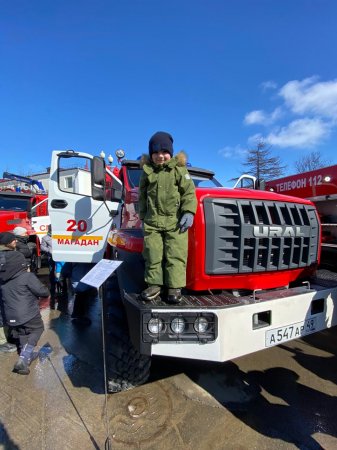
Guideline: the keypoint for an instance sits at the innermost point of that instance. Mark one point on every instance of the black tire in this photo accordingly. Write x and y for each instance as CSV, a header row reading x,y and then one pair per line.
x,y
126,367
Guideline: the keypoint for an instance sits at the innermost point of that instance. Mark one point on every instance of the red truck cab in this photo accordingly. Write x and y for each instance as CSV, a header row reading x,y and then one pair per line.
x,y
319,186
16,211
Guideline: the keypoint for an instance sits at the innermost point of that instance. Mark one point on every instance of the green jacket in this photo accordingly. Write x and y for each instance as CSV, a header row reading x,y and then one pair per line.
x,y
166,192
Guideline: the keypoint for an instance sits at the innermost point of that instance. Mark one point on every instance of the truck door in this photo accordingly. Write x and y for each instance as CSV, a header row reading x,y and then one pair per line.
x,y
81,208
40,222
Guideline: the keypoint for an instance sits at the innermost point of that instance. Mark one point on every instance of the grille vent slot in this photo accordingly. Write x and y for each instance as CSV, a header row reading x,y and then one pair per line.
x,y
250,236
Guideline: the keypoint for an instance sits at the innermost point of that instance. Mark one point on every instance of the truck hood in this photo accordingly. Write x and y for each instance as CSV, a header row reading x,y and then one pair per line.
x,y
249,194
11,219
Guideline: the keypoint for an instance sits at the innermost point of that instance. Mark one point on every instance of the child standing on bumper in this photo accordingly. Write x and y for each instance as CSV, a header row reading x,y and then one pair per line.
x,y
167,204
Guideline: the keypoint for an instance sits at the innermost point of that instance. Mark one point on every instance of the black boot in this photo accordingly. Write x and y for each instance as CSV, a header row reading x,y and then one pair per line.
x,y
52,302
26,357
78,315
173,296
7,347
21,367
150,293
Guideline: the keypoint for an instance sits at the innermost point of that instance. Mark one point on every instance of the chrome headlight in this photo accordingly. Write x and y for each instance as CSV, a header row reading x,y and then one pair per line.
x,y
178,325
155,325
201,325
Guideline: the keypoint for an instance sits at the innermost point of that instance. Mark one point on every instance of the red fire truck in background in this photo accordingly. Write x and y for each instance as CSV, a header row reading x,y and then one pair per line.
x,y
319,186
24,203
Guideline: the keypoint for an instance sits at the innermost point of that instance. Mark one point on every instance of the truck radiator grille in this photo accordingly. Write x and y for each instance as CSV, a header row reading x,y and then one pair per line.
x,y
248,236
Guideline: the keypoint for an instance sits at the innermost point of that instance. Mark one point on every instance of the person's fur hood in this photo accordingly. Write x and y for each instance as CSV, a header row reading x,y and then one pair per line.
x,y
3,248
181,158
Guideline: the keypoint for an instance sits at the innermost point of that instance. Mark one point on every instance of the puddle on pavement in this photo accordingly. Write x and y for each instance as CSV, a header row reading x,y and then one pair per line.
x,y
140,415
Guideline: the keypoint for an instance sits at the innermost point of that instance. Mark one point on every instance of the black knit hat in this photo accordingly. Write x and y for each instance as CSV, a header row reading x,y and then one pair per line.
x,y
161,141
6,238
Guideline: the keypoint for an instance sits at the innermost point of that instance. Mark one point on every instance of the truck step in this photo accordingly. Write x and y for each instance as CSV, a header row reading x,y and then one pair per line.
x,y
188,301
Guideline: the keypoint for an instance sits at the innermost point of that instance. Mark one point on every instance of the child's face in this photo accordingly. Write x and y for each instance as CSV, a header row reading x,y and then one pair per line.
x,y
12,245
160,157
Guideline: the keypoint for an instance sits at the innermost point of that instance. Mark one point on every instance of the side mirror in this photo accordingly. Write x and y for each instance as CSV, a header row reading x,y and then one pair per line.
x,y
246,181
261,185
98,178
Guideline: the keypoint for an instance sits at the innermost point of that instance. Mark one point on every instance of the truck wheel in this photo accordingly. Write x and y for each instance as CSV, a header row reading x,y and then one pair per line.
x,y
126,367
34,261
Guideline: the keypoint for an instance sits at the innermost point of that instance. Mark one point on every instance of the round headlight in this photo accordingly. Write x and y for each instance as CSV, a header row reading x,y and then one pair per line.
x,y
155,325
201,325
178,325
120,153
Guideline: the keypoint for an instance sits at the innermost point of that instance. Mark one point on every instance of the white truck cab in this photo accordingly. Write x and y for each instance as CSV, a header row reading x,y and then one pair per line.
x,y
80,219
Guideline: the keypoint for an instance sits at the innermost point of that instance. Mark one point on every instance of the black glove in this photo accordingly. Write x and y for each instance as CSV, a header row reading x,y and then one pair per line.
x,y
186,222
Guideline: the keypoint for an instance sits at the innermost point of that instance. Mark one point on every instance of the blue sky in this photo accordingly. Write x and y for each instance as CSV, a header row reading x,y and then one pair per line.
x,y
101,75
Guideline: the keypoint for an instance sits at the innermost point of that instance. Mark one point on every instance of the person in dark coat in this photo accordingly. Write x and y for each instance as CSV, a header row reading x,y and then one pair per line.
x,y
20,291
47,243
7,244
21,236
5,346
47,249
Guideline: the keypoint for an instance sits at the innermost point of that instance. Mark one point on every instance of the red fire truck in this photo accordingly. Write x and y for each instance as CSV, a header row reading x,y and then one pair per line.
x,y
251,280
21,205
319,186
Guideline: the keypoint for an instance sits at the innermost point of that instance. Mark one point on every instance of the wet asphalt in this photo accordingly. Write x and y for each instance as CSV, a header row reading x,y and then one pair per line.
x,y
280,398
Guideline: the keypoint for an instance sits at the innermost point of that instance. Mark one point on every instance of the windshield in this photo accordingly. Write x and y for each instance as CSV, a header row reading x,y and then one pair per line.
x,y
204,182
199,181
134,177
14,203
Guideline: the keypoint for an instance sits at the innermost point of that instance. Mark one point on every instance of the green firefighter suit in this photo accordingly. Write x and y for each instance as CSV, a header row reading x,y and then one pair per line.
x,y
166,192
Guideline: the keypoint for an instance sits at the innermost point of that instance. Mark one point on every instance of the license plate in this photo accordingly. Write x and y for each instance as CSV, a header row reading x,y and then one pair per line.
x,y
294,331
